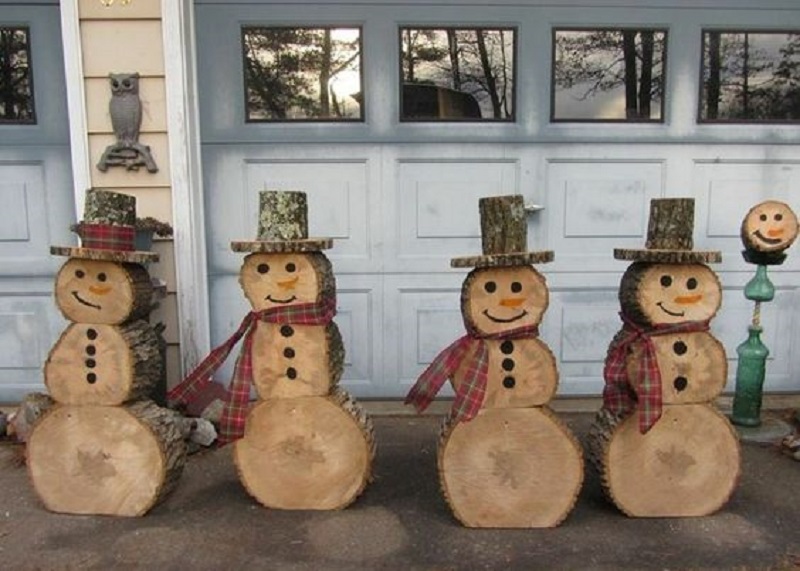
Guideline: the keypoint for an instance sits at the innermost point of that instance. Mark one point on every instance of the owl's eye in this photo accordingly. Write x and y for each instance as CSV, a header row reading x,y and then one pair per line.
x,y
262,268
114,83
79,274
666,281
126,83
490,287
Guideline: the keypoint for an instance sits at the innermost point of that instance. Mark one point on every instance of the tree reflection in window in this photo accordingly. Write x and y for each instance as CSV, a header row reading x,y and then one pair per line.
x,y
300,73
608,74
16,76
457,74
750,76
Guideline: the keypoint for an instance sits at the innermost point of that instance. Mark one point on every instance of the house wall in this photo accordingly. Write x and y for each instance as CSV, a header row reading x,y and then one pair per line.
x,y
122,38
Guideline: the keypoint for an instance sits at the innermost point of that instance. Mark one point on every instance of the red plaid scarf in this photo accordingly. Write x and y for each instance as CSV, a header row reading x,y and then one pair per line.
x,y
238,396
621,394
107,237
472,389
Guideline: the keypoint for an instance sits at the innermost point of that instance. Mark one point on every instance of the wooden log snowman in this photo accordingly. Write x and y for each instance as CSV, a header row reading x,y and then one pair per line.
x,y
306,444
105,448
660,446
505,460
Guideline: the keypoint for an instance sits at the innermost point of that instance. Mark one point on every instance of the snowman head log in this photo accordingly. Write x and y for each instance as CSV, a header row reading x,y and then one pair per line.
x,y
108,230
769,227
652,294
286,279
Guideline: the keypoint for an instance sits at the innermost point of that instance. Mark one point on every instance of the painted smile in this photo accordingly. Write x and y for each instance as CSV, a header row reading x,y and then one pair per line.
x,y
509,320
763,238
273,300
83,301
668,312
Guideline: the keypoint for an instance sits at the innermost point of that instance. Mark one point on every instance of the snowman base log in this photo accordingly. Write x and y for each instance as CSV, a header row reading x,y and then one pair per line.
x,y
510,468
687,464
306,452
106,460
104,364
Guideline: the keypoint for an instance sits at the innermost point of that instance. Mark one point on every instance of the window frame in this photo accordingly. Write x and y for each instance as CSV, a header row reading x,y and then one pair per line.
x,y
662,120
29,52
306,120
459,120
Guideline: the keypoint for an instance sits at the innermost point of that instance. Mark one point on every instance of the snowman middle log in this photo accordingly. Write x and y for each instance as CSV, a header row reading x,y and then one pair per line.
x,y
104,364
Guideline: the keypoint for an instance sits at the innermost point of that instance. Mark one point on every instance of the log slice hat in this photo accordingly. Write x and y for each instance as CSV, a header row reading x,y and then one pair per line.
x,y
669,236
108,230
282,225
504,236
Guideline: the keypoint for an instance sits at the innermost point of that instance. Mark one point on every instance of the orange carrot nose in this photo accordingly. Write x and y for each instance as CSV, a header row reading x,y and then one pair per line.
x,y
775,232
288,284
99,290
512,301
688,299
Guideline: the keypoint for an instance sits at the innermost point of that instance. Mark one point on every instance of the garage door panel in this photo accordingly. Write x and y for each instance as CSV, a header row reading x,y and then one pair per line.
x,y
437,208
25,234
726,190
594,206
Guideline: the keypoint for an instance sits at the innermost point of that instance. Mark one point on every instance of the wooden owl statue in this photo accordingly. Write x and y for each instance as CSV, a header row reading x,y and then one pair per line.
x,y
125,106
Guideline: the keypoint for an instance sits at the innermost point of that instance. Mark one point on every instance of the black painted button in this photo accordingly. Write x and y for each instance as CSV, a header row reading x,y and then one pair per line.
x,y
291,372
508,364
507,347
288,353
91,350
287,330
91,363
91,334
91,378
679,347
680,383
509,382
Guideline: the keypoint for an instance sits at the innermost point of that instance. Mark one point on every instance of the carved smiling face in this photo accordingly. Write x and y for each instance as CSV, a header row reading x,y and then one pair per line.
x,y
494,300
285,279
95,291
769,227
669,293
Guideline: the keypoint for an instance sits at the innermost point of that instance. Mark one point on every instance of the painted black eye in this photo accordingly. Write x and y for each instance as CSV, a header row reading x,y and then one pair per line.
x,y
490,287
79,274
666,281
763,217
516,287
691,283
779,217
290,267
102,277
262,268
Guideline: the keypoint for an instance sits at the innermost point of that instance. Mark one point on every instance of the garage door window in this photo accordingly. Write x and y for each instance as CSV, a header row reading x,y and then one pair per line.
x,y
302,73
608,75
750,76
457,74
16,76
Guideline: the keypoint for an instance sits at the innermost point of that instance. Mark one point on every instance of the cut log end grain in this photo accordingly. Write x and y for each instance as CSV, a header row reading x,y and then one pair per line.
x,y
306,452
510,468
104,364
687,464
105,460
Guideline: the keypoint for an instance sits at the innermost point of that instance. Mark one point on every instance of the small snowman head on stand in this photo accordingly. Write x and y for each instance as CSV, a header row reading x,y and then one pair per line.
x,y
104,281
504,297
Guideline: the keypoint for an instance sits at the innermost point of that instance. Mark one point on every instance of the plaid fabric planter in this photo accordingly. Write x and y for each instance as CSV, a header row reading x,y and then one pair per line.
x,y
108,237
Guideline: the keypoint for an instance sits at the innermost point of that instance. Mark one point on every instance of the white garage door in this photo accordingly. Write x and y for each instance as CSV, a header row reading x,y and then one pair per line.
x,y
400,197
35,190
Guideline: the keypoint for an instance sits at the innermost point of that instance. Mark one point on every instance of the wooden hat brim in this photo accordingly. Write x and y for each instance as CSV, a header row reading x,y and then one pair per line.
x,y
121,256
283,246
668,256
500,260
